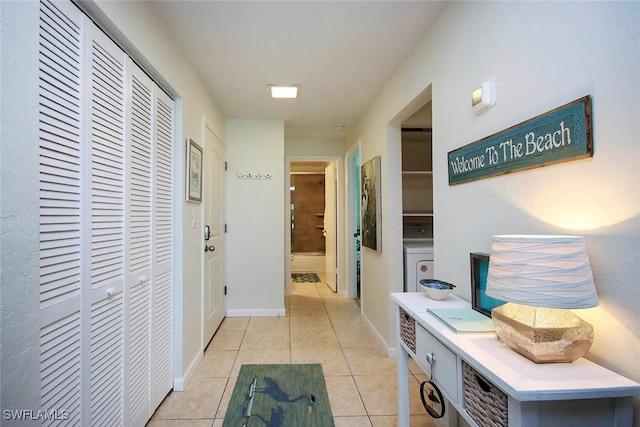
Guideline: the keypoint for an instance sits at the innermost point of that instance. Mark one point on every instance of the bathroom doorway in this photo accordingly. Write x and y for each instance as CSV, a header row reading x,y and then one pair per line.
x,y
307,213
313,220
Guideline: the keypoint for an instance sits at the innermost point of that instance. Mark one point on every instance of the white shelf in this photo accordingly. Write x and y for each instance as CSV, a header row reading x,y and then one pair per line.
x,y
417,182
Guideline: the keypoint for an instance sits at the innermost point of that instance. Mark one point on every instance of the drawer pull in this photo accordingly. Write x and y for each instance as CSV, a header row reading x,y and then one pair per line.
x,y
430,358
483,384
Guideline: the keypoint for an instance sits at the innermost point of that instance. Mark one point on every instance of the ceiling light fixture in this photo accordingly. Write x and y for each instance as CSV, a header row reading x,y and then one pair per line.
x,y
284,91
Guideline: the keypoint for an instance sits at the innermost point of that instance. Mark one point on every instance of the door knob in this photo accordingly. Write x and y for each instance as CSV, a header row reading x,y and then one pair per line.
x,y
209,248
430,357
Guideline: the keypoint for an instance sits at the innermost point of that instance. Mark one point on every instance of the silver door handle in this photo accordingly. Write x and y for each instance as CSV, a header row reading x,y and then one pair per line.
x,y
209,248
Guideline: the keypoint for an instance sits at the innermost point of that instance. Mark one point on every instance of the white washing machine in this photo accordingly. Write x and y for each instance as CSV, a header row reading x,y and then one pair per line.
x,y
418,263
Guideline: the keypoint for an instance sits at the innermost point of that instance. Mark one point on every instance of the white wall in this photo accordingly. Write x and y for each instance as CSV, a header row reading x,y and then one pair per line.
x,y
313,147
542,55
256,217
19,208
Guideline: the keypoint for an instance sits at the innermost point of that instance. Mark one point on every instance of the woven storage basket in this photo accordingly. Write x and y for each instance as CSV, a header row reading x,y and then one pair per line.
x,y
485,403
408,330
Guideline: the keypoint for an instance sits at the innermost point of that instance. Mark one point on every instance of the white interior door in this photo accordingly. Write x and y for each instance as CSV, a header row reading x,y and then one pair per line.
x,y
61,243
330,218
138,245
213,299
163,249
105,226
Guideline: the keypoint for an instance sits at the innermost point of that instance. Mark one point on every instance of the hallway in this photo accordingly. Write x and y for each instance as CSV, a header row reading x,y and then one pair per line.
x,y
320,327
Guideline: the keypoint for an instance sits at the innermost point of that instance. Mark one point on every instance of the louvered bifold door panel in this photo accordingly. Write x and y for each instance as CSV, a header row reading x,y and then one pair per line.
x,y
60,211
107,256
162,247
138,288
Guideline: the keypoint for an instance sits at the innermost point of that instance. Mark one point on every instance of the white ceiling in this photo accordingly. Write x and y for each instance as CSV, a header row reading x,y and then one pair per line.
x,y
341,52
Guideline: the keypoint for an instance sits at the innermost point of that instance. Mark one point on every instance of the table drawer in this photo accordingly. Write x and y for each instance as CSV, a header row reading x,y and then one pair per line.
x,y
443,370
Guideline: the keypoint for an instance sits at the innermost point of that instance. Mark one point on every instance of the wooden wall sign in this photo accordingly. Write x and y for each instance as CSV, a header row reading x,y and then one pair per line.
x,y
560,135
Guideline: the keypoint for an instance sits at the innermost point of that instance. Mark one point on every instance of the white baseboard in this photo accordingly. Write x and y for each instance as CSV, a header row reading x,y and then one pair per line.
x,y
392,352
178,384
181,382
256,312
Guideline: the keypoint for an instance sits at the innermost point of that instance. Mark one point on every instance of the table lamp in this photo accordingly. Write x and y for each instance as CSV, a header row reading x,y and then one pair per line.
x,y
540,278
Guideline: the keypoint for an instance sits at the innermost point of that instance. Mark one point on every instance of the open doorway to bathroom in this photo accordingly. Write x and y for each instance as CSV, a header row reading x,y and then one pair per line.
x,y
312,217
307,213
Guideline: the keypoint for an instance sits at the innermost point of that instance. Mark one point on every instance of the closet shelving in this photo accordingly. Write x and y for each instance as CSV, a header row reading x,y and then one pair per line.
x,y
417,183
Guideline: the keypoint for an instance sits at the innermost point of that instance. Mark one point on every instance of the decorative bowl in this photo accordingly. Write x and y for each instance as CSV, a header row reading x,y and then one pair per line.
x,y
436,289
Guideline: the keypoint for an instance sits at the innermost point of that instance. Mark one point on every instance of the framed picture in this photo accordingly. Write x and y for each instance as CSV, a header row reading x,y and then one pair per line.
x,y
194,171
370,205
480,301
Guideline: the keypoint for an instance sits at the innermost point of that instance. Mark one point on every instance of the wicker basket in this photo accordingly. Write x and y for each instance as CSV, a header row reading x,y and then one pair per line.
x,y
485,403
408,330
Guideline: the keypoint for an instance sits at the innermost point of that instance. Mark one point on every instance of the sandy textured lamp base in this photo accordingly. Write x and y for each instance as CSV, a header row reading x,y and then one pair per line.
x,y
543,335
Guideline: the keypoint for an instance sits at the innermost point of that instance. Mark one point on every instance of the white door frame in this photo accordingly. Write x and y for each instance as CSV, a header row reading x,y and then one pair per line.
x,y
351,220
339,161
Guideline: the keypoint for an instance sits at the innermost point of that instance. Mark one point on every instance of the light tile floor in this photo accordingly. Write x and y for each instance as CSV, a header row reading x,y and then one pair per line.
x,y
320,327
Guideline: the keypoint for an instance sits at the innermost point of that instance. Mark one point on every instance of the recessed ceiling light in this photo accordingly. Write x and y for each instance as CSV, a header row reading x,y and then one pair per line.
x,y
284,91
339,128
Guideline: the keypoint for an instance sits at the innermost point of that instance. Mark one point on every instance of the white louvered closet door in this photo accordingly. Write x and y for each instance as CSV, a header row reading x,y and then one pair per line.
x,y
105,260
106,201
60,124
162,266
138,287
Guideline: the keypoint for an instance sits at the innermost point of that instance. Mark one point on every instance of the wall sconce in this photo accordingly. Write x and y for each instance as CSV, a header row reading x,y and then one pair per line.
x,y
541,277
484,97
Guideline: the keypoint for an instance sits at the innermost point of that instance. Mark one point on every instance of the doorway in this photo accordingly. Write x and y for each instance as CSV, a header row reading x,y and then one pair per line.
x,y
307,211
313,242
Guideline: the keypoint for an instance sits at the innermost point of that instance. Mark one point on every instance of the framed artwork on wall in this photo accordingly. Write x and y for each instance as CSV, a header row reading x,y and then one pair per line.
x,y
371,205
194,171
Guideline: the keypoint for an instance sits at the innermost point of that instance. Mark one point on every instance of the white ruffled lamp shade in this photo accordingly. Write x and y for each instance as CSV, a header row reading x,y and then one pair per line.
x,y
541,277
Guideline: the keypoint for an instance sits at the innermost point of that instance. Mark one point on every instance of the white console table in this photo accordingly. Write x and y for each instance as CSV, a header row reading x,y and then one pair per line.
x,y
578,394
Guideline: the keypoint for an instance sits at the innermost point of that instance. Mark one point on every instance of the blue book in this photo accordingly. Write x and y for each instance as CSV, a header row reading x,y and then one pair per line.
x,y
463,320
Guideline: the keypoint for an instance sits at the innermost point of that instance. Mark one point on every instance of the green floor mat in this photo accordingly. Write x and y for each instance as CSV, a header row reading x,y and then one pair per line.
x,y
279,396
